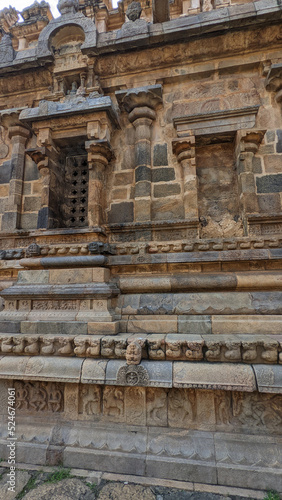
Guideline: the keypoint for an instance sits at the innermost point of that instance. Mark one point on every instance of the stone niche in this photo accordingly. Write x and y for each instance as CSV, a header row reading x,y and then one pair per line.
x,y
218,191
216,150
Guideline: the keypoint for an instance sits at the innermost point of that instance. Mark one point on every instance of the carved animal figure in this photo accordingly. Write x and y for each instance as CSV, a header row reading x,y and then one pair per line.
x,y
32,345
19,343
66,344
48,345
6,344
94,347
174,349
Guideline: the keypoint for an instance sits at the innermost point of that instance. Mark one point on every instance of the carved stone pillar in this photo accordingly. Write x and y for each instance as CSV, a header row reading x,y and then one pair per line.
x,y
140,103
249,142
184,149
11,218
99,155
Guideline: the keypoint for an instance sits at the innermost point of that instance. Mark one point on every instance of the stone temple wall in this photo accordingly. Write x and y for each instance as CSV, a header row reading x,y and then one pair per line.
x,y
141,238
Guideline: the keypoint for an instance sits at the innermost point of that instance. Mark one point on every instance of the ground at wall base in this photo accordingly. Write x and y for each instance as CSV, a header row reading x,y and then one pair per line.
x,y
69,484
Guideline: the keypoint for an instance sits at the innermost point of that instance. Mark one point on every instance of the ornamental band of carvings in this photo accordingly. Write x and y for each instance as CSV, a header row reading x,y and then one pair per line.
x,y
176,408
232,349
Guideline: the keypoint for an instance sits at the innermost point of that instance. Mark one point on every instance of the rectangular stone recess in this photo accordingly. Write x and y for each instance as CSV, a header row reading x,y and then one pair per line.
x,y
269,378
228,377
41,368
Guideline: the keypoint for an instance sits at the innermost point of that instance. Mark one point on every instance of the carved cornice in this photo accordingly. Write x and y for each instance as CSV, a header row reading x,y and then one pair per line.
x,y
216,122
210,348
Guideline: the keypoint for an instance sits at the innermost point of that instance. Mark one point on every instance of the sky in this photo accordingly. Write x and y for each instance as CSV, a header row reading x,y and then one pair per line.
x,y
21,4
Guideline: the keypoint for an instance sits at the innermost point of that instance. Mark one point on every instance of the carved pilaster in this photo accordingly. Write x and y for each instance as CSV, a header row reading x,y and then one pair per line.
x,y
46,156
184,149
140,104
99,155
18,135
273,81
249,142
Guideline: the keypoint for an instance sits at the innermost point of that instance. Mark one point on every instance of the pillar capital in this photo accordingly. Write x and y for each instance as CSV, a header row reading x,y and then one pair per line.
x,y
40,157
99,151
140,97
184,148
250,140
19,131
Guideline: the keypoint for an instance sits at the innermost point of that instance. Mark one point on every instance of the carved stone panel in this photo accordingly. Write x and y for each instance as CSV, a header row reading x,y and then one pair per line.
x,y
113,403
135,405
156,407
181,407
90,399
40,396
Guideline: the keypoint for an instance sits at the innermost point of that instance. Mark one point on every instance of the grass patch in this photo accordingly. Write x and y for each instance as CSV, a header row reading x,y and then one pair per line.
x,y
92,486
58,475
272,495
28,487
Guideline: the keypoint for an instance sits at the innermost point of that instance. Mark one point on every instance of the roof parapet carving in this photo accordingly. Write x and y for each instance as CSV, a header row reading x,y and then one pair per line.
x,y
68,6
8,17
36,11
69,17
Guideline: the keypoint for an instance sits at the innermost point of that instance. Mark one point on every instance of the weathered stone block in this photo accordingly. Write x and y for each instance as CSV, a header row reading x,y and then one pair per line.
x,y
143,153
217,376
269,183
164,190
103,327
163,174
269,203
120,213
260,325
279,141
157,324
113,461
123,178
143,188
160,155
64,276
194,324
273,164
33,276
269,378
94,371
5,172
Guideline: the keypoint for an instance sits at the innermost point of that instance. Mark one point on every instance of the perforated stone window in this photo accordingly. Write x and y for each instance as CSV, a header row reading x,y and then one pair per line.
x,y
76,191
